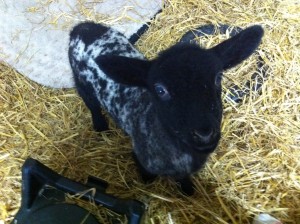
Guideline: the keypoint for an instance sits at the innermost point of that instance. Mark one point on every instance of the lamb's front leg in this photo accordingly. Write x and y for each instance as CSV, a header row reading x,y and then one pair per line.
x,y
146,176
186,185
86,91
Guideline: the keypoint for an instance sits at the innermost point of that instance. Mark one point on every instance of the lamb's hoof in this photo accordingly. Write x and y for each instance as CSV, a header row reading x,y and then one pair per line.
x,y
186,186
147,177
100,124
100,128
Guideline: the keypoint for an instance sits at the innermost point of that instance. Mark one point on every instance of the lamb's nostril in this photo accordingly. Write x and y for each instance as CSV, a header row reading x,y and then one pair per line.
x,y
203,134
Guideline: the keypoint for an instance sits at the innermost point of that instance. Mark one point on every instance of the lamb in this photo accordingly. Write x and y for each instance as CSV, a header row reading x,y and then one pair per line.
x,y
170,106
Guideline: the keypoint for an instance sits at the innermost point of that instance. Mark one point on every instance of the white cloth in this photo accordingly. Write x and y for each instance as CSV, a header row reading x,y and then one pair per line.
x,y
34,34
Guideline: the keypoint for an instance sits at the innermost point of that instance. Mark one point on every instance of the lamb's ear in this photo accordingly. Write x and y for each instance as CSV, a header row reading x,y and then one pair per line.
x,y
124,70
239,47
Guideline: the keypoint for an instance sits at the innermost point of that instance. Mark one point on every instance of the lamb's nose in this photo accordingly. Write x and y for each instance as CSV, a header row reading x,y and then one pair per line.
x,y
203,135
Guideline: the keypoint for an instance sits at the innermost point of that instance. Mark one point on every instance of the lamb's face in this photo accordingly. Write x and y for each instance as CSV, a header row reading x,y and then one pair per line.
x,y
186,86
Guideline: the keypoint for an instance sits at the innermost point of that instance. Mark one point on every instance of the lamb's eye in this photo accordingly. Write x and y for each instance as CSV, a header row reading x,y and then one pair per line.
x,y
162,91
218,79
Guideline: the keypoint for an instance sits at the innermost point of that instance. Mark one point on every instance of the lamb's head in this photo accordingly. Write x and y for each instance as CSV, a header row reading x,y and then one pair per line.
x,y
185,85
185,82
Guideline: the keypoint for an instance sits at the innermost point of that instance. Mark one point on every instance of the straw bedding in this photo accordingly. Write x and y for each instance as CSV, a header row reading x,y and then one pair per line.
x,y
256,166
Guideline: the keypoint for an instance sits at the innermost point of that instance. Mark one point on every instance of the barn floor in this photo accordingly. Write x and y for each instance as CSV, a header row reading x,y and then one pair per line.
x,y
256,168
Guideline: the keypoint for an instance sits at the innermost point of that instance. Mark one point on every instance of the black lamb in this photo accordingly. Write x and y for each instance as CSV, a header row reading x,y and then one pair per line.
x,y
171,106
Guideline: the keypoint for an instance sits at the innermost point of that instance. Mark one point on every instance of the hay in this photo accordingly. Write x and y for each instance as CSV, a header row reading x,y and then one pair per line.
x,y
256,167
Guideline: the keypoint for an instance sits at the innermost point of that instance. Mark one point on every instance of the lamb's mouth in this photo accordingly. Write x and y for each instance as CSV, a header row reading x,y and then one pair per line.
x,y
207,148
203,148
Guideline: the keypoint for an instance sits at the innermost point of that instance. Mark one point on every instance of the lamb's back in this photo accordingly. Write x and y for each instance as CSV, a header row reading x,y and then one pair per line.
x,y
90,41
